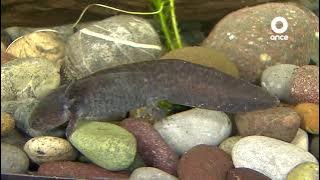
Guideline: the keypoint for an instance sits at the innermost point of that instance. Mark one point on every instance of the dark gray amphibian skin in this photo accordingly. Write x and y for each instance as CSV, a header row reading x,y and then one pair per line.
x,y
109,93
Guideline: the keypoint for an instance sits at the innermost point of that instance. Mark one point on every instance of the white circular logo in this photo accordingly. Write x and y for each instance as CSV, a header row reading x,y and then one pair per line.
x,y
274,25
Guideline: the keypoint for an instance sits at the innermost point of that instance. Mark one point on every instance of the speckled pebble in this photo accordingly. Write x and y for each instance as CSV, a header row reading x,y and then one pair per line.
x,y
150,173
309,114
278,122
13,159
78,170
46,149
277,79
228,144
301,140
186,129
7,123
304,171
305,84
28,78
271,157
153,149
204,162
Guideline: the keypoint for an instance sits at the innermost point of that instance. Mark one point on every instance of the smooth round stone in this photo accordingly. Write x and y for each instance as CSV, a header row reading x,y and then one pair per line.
x,y
148,173
314,149
13,159
309,114
28,78
271,157
184,130
204,56
277,80
204,162
43,44
154,151
301,140
22,115
6,57
7,123
105,144
305,84
78,170
228,144
245,174
304,171
46,148
245,36
114,41
15,138
278,122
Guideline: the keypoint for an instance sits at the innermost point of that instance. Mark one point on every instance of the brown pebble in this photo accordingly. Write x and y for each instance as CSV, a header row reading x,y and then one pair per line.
x,y
245,174
78,170
204,162
305,84
153,149
278,122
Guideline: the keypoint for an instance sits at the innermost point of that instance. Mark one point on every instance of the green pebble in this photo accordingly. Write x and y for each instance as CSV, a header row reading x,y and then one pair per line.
x,y
105,144
304,171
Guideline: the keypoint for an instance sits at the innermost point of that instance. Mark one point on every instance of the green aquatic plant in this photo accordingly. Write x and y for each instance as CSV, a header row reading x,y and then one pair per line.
x,y
164,11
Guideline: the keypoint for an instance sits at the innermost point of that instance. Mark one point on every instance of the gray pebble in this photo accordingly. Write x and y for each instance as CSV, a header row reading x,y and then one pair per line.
x,y
13,159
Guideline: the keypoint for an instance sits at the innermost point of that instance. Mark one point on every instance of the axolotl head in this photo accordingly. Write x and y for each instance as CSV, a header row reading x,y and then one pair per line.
x,y
51,112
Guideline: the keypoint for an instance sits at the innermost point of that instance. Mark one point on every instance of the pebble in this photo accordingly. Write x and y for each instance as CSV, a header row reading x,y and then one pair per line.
x,y
43,44
184,130
245,36
271,157
7,124
114,41
278,122
105,144
309,114
305,84
15,138
78,170
204,56
46,149
13,159
245,174
301,140
28,78
304,171
22,115
277,80
204,162
148,173
6,57
314,149
154,151
228,144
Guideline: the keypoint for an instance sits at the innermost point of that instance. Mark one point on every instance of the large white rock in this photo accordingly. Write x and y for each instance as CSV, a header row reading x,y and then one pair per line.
x,y
150,173
184,130
271,157
301,140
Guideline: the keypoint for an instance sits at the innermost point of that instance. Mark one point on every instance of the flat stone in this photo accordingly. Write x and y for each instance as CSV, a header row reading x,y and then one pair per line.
x,y
13,159
271,157
147,173
184,130
105,144
279,122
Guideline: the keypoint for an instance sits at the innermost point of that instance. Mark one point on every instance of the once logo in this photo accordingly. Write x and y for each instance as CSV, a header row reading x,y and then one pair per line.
x,y
279,31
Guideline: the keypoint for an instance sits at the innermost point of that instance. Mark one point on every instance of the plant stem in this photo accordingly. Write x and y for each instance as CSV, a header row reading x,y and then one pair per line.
x,y
175,25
